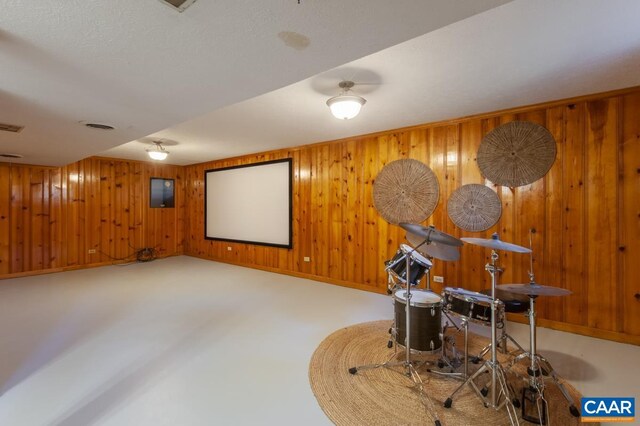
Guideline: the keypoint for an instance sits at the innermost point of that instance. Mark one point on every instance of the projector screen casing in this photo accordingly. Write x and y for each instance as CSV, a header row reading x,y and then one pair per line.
x,y
250,203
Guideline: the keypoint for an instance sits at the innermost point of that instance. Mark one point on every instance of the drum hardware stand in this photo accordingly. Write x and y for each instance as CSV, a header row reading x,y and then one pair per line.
x,y
504,336
409,369
444,361
497,374
391,284
538,367
502,345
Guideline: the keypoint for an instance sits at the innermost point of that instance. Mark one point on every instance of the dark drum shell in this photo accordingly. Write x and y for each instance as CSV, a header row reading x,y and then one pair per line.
x,y
397,265
426,320
470,305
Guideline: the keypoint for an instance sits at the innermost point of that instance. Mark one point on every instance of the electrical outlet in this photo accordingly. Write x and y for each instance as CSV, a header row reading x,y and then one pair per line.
x,y
91,251
307,259
438,279
228,248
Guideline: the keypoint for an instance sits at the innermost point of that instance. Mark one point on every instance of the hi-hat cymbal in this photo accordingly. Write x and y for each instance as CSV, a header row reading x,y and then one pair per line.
x,y
431,233
436,250
533,289
495,244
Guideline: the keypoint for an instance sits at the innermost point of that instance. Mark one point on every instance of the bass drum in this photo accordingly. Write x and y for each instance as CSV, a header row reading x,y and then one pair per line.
x,y
426,321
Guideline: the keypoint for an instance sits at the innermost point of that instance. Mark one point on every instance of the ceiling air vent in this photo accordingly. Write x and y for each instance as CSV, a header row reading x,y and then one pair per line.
x,y
3,155
10,128
179,5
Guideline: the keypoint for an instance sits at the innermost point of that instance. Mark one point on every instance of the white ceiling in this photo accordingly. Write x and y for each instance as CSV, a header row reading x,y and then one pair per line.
x,y
142,67
521,53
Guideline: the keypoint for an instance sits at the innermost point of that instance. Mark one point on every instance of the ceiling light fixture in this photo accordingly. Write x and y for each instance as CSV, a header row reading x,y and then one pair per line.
x,y
345,106
158,152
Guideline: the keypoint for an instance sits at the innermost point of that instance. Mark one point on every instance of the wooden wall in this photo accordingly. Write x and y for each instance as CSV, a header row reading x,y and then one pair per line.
x,y
51,217
585,211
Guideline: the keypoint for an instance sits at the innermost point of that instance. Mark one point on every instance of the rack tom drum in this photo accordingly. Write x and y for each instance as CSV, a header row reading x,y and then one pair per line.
x,y
418,265
470,305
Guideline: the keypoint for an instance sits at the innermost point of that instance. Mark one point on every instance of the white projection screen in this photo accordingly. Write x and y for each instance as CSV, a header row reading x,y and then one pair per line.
x,y
250,203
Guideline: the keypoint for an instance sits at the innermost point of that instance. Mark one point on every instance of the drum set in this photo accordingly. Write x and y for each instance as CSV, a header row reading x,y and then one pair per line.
x,y
422,318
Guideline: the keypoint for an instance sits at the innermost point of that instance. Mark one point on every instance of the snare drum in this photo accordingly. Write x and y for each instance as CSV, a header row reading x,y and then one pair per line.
x,y
473,306
418,265
425,314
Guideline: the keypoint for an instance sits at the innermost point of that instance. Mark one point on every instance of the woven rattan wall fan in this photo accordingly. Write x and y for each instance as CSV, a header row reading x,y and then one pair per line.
x,y
405,191
474,207
516,153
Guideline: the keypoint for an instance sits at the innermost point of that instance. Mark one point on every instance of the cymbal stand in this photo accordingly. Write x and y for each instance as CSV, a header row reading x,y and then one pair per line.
x,y
538,367
498,378
409,368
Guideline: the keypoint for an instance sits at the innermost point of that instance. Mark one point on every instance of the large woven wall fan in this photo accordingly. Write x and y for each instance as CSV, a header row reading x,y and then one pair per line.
x,y
516,153
405,191
474,207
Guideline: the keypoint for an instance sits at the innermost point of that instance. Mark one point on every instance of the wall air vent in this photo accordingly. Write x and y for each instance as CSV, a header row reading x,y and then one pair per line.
x,y
179,5
10,128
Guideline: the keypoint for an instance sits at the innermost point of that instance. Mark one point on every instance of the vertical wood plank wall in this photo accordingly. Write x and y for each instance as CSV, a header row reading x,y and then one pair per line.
x,y
50,217
585,212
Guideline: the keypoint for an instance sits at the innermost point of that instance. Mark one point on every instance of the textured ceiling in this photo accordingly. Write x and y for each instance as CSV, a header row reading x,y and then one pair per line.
x,y
142,67
521,53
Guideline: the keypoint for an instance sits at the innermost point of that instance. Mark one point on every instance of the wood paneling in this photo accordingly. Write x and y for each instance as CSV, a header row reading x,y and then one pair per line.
x,y
51,217
585,211
629,215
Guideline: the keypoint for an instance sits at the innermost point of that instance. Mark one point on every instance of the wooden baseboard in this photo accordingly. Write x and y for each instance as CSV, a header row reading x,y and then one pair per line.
x,y
69,268
579,329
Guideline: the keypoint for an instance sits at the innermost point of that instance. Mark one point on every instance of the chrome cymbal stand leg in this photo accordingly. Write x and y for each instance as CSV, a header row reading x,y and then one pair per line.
x,y
409,369
539,366
504,337
494,356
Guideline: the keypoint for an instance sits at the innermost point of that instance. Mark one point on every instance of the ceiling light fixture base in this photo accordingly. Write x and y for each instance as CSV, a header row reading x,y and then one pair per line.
x,y
158,152
346,106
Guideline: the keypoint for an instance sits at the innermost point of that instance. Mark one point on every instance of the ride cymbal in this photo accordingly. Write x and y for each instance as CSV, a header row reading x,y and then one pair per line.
x,y
533,289
433,249
431,233
495,244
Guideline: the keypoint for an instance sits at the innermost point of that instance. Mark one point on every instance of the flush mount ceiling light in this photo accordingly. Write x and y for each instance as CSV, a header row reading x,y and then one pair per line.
x,y
345,106
158,152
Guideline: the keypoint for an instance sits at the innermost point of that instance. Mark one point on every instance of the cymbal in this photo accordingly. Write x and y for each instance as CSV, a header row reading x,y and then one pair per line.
x,y
495,244
431,233
433,249
533,289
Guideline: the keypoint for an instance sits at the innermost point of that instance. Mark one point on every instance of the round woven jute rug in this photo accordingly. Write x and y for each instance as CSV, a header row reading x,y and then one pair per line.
x,y
384,396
